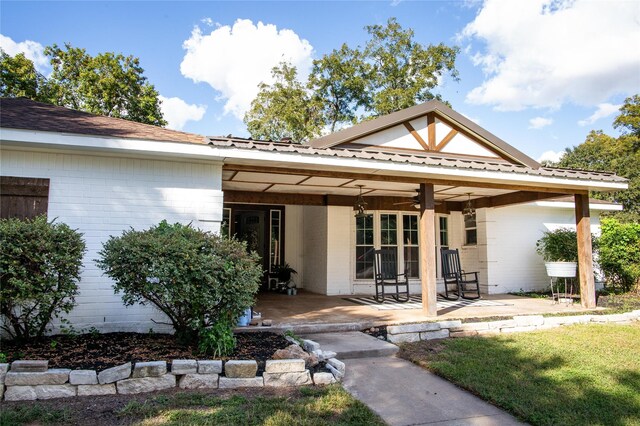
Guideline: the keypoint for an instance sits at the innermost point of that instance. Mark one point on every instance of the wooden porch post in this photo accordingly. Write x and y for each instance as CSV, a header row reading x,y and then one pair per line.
x,y
585,257
427,249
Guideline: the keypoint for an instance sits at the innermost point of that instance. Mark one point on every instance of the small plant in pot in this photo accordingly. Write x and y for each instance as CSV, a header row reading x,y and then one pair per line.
x,y
559,249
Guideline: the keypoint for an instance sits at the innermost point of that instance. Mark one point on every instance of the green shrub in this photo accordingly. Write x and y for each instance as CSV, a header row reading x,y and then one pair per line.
x,y
619,253
39,269
196,278
560,245
217,340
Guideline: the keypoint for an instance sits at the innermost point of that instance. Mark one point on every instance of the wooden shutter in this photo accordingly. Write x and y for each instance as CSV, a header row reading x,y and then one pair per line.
x,y
23,197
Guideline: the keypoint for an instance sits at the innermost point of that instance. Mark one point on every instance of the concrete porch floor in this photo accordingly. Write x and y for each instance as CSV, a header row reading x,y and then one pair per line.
x,y
310,311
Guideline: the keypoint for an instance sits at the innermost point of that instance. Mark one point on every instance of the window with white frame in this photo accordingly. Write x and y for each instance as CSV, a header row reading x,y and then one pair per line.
x,y
395,231
470,230
364,247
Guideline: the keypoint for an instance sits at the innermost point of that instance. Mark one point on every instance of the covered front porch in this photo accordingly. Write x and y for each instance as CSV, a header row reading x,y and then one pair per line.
x,y
307,310
420,179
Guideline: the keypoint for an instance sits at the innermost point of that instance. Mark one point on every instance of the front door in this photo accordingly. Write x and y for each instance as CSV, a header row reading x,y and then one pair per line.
x,y
262,228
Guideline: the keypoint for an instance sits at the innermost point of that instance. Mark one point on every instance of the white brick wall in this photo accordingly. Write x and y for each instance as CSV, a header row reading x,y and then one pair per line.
x,y
102,196
513,232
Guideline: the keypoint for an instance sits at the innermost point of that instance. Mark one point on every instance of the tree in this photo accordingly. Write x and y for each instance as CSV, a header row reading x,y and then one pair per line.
x,y
284,109
404,72
107,84
621,155
19,78
339,83
390,73
629,119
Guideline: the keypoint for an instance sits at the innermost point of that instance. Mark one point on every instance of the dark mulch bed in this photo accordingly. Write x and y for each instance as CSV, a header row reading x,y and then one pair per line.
x,y
100,351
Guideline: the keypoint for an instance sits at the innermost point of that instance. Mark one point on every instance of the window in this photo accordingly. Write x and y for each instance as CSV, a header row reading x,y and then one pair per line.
x,y
276,238
470,230
394,231
442,241
410,240
23,198
364,247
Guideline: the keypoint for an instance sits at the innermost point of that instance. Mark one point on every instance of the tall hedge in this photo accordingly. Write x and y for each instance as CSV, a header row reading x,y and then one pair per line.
x,y
196,278
40,265
619,254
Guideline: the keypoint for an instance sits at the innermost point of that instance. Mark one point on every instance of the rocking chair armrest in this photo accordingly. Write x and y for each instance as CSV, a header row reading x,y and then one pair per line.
x,y
463,273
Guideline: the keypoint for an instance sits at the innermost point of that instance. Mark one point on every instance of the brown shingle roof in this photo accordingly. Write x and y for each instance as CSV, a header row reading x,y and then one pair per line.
x,y
21,113
418,159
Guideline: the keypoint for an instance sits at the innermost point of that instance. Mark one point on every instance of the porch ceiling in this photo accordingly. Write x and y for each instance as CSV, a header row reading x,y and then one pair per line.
x,y
235,180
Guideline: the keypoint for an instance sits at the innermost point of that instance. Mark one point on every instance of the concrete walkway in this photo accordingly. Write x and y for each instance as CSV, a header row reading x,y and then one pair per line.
x,y
402,393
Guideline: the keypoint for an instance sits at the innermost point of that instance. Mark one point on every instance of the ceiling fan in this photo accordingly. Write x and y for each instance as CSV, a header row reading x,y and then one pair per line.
x,y
415,201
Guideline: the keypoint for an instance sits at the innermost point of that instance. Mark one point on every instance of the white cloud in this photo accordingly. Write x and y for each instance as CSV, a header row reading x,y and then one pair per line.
x,y
543,53
234,60
177,112
32,50
604,110
540,122
551,156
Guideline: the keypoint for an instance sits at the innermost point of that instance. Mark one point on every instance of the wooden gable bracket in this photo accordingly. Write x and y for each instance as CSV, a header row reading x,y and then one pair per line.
x,y
417,136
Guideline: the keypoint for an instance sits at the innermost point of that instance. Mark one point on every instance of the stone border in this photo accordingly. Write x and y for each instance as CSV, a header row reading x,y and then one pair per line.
x,y
455,328
30,380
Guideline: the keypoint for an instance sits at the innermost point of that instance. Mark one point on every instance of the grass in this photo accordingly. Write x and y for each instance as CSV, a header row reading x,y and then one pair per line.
x,y
329,405
577,375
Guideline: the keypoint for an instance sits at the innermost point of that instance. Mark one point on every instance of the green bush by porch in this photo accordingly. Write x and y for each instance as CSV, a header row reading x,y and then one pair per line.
x,y
577,375
198,279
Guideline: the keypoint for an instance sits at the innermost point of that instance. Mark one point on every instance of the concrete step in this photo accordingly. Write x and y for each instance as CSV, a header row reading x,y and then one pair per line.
x,y
353,344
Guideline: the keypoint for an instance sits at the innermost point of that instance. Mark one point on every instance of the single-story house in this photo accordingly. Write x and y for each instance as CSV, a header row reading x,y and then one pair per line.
x,y
417,169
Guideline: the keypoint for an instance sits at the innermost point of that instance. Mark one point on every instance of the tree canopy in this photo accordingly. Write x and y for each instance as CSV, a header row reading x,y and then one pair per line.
x,y
391,72
107,84
621,155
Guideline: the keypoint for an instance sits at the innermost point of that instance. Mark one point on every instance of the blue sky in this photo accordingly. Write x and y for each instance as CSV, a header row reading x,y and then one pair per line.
x,y
540,74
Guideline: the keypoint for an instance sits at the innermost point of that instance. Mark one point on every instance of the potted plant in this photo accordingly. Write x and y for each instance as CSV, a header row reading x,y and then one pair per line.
x,y
284,273
559,249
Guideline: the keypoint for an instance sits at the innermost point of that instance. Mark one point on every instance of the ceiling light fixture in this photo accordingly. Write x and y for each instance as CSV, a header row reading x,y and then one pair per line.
x,y
361,204
468,210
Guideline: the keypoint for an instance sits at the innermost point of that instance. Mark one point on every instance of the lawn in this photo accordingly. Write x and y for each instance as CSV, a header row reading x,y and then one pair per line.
x,y
578,375
300,406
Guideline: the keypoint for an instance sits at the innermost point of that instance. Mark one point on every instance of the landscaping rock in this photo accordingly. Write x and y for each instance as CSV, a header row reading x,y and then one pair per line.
x,y
291,340
325,355
198,381
1,392
518,329
267,323
497,325
430,335
50,377
474,326
284,365
403,338
336,374
149,369
184,366
210,367
296,352
113,374
146,384
240,369
310,345
55,391
337,364
450,323
83,377
20,393
88,390
287,379
4,368
229,383
528,320
413,328
323,378
30,366
469,333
